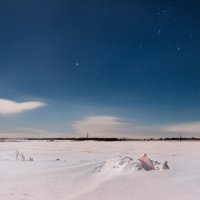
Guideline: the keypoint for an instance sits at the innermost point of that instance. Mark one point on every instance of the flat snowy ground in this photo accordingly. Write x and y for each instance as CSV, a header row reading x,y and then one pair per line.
x,y
66,170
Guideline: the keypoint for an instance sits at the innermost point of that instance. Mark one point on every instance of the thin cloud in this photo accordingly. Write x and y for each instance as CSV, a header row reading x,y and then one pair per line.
x,y
190,127
8,107
30,130
100,126
111,126
31,133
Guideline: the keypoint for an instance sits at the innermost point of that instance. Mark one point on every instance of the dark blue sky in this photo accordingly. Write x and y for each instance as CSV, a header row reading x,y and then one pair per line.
x,y
132,60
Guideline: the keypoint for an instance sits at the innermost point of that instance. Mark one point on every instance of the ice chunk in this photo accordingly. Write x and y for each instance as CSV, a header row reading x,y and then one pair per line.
x,y
146,163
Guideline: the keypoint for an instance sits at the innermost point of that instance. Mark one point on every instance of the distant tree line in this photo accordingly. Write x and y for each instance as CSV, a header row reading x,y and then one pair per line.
x,y
106,139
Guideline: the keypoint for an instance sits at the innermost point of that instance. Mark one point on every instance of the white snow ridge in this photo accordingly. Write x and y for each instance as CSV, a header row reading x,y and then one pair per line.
x,y
127,164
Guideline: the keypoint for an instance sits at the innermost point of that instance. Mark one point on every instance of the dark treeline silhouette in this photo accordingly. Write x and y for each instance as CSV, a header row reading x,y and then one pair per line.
x,y
103,139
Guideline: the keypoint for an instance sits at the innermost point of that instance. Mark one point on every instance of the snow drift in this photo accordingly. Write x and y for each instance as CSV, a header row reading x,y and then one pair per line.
x,y
128,164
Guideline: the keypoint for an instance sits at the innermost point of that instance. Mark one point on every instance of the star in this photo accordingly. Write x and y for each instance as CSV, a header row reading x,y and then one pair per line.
x,y
159,31
77,64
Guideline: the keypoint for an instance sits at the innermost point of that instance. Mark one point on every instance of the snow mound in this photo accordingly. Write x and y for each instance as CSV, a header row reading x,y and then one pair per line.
x,y
127,164
119,164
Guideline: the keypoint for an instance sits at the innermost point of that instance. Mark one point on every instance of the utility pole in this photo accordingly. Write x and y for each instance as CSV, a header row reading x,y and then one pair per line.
x,y
87,135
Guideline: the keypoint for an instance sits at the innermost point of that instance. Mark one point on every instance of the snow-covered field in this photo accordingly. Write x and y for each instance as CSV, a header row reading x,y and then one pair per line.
x,y
66,170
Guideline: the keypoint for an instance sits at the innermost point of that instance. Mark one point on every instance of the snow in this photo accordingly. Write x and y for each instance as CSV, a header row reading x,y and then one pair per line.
x,y
66,170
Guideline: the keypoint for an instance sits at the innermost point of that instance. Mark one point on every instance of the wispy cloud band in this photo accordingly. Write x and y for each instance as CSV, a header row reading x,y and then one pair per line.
x,y
112,126
100,126
189,127
8,107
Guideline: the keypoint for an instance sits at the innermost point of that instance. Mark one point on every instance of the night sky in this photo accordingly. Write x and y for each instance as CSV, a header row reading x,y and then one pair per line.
x,y
111,68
